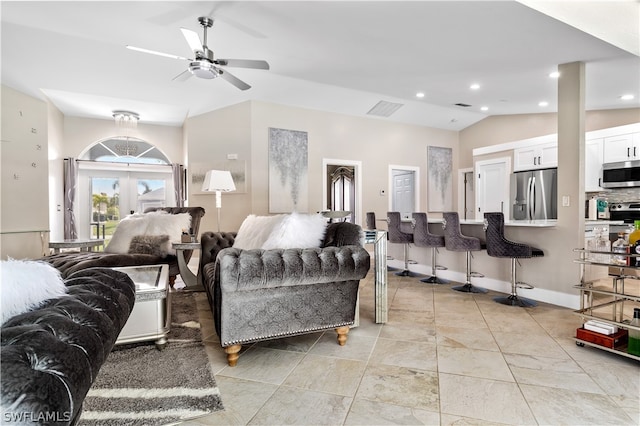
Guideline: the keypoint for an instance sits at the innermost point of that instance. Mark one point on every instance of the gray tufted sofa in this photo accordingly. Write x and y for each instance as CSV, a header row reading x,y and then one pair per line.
x,y
51,355
267,294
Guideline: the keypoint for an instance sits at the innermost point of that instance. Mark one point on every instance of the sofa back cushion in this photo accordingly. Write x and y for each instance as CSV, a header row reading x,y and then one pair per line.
x,y
153,223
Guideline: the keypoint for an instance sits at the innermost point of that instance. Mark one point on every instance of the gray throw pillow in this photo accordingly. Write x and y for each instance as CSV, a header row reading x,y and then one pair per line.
x,y
156,245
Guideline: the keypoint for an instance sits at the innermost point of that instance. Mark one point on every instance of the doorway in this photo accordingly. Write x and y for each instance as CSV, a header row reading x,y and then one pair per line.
x,y
342,187
466,194
404,183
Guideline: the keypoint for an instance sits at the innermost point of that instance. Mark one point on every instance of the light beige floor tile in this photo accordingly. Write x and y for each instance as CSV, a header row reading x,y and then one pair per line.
x,y
484,399
400,386
311,374
456,337
424,332
550,372
529,344
620,380
450,420
473,363
241,399
365,412
561,406
405,354
409,315
264,365
290,406
357,347
513,322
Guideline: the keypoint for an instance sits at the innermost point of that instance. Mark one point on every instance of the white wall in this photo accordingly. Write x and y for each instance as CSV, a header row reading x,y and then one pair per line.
x,y
56,173
243,129
24,217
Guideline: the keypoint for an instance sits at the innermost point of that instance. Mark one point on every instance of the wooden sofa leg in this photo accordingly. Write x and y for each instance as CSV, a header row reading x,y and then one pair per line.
x,y
342,335
233,353
172,280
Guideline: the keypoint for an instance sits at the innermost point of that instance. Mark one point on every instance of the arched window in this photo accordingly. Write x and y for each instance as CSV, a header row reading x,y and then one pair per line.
x,y
118,176
125,149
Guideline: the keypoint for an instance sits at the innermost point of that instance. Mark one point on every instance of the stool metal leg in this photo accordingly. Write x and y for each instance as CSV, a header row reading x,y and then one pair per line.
x,y
513,299
406,272
433,279
468,287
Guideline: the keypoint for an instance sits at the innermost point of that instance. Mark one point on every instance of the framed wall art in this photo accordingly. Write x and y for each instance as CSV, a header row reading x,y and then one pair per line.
x,y
288,171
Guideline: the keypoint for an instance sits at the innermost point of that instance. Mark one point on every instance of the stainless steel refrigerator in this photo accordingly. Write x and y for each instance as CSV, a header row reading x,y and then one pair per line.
x,y
534,195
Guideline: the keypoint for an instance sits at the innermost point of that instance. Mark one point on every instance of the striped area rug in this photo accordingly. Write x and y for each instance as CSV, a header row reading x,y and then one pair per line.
x,y
140,385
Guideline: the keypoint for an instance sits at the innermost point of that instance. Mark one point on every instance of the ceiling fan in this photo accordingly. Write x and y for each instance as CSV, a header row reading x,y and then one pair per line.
x,y
205,65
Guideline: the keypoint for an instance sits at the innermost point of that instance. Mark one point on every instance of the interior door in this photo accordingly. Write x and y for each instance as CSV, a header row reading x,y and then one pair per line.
x,y
403,192
469,196
492,186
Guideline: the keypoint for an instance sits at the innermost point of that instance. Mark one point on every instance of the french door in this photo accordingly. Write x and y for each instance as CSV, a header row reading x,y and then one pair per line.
x,y
109,192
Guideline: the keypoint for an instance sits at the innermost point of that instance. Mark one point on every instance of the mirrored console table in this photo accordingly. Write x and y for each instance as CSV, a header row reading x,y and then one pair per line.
x,y
379,240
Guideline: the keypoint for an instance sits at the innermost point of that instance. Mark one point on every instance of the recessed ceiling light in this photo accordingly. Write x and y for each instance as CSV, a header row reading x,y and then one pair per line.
x,y
484,108
543,103
627,97
474,86
554,74
419,95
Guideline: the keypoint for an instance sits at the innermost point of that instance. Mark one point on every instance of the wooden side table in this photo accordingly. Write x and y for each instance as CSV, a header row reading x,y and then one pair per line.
x,y
192,281
82,244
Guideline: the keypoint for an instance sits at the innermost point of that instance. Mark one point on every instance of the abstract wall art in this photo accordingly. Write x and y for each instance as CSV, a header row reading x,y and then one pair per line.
x,y
288,171
439,180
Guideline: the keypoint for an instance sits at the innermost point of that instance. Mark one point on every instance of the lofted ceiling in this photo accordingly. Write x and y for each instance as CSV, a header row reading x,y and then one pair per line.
x,y
335,56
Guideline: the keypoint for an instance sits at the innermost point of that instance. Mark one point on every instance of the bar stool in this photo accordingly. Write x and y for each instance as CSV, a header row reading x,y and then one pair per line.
x,y
499,246
455,241
401,233
371,226
423,238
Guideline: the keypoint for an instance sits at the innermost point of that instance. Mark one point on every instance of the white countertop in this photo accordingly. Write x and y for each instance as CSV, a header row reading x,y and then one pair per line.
x,y
520,223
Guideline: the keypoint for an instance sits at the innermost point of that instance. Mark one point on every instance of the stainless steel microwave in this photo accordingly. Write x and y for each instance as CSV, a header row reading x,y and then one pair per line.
x,y
624,174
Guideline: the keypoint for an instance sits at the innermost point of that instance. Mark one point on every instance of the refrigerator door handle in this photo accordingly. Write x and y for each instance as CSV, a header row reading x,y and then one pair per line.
x,y
533,197
529,182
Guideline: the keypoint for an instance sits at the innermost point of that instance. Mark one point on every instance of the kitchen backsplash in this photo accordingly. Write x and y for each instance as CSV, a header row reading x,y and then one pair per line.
x,y
617,195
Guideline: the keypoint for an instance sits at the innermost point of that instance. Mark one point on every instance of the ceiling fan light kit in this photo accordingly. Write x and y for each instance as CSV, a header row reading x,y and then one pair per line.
x,y
205,65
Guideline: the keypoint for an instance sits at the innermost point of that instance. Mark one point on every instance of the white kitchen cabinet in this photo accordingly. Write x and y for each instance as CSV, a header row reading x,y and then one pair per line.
x,y
622,148
593,159
534,157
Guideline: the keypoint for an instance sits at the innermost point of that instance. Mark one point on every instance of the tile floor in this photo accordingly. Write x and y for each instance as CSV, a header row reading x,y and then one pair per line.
x,y
443,358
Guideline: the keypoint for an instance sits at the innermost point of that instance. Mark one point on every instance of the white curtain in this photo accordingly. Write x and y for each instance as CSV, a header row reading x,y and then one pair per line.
x,y
70,184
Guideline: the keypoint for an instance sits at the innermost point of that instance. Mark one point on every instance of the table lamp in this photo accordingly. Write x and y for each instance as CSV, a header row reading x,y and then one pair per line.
x,y
218,181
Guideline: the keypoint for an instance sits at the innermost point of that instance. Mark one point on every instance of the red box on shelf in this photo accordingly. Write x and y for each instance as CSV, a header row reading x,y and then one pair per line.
x,y
610,341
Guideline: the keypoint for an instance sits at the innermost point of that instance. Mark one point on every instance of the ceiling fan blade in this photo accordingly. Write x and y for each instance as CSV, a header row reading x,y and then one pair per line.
x,y
243,63
233,80
183,76
193,39
154,52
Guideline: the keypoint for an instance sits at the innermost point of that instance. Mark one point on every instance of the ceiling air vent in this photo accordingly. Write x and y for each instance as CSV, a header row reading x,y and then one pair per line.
x,y
462,105
384,109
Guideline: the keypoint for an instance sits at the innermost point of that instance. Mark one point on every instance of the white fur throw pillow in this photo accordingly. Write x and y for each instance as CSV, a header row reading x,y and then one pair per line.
x,y
297,231
255,230
163,223
128,227
26,284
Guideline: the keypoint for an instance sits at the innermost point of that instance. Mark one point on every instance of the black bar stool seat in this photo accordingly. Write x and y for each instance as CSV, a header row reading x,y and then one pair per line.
x,y
401,233
423,238
499,246
455,241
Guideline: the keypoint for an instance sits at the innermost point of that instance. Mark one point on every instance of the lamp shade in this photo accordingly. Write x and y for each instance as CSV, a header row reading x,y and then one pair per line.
x,y
218,180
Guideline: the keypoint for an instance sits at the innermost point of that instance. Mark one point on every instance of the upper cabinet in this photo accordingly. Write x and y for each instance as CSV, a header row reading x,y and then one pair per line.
x,y
622,148
593,159
539,156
